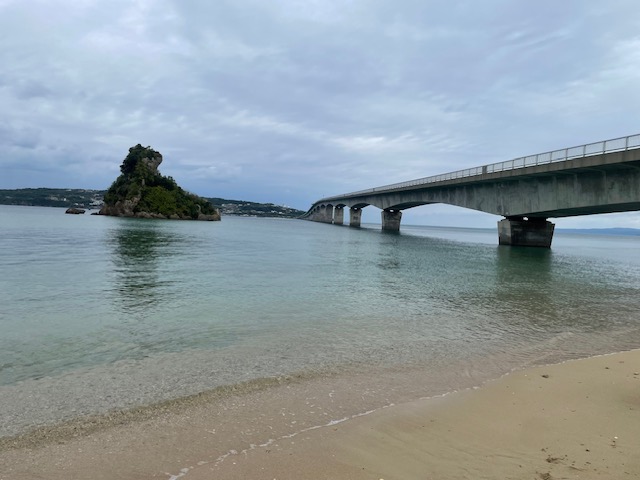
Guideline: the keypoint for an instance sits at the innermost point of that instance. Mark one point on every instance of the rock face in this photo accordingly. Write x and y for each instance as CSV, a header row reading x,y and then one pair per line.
x,y
74,211
140,191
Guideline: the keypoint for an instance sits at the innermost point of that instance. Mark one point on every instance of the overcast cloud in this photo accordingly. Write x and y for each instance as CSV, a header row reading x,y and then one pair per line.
x,y
287,101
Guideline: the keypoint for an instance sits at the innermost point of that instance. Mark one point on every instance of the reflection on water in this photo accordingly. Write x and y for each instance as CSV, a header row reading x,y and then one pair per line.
x,y
524,285
138,248
554,293
514,263
145,289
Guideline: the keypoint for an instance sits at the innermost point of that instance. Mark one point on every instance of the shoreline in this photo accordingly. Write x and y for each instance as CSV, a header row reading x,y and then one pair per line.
x,y
576,417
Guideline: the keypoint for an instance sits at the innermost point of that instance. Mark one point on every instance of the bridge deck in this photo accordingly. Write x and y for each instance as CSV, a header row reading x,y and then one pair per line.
x,y
590,155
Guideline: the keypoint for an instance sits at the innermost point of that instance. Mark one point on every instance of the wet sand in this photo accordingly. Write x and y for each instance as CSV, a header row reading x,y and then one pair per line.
x,y
579,419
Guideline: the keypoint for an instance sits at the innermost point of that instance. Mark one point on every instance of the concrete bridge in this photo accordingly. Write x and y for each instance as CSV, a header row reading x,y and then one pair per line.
x,y
600,177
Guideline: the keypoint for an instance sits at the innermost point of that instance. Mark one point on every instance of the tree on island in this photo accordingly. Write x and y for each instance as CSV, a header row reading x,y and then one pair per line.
x,y
140,191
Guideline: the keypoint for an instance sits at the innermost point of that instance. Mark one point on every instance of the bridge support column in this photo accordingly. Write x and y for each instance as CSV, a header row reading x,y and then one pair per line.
x,y
338,216
355,215
326,214
391,220
534,232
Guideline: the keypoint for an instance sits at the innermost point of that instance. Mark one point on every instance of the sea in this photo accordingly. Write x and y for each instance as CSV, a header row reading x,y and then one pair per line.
x,y
100,313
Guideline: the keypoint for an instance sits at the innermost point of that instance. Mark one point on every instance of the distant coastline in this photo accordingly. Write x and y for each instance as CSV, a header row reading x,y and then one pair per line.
x,y
633,232
93,199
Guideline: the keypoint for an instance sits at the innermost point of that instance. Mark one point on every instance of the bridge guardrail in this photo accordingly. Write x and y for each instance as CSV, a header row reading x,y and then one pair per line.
x,y
630,142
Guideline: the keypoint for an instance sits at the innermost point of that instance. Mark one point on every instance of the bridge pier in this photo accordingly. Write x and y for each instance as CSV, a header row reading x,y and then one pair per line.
x,y
314,214
533,232
355,216
327,214
338,216
391,220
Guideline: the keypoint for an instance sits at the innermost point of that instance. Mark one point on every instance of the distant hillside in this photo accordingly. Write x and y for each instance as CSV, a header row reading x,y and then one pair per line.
x,y
53,197
241,207
93,199
634,232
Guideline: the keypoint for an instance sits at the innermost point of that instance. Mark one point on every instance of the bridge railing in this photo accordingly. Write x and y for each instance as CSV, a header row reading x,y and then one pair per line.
x,y
606,146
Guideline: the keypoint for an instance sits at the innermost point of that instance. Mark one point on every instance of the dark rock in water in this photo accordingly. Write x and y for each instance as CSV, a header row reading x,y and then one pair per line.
x,y
141,192
75,211
209,218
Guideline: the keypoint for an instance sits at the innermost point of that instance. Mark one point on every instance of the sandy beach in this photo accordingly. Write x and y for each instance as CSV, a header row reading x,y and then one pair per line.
x,y
579,419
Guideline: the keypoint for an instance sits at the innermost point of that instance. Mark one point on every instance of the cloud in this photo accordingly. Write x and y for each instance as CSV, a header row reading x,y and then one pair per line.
x,y
379,144
290,100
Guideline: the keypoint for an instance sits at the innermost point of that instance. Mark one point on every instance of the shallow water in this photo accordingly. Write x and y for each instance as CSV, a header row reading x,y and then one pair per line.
x,y
99,313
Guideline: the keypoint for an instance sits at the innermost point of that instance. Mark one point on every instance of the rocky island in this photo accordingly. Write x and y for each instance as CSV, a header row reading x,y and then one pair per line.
x,y
140,191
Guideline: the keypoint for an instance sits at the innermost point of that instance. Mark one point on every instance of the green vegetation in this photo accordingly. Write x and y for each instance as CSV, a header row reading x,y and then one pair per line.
x,y
147,191
136,154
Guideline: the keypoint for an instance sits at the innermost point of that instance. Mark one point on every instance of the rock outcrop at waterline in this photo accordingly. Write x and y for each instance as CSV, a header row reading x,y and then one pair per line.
x,y
75,211
140,191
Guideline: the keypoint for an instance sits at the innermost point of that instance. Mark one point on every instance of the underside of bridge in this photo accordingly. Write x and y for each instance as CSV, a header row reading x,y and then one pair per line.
x,y
516,231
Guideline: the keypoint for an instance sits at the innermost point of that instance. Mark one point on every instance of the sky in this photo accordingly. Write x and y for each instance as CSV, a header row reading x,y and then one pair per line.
x,y
289,101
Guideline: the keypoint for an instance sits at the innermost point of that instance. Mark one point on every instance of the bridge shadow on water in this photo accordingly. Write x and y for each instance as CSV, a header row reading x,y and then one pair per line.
x,y
525,288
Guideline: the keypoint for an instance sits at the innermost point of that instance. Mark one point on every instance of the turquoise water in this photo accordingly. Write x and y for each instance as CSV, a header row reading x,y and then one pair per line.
x,y
99,313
